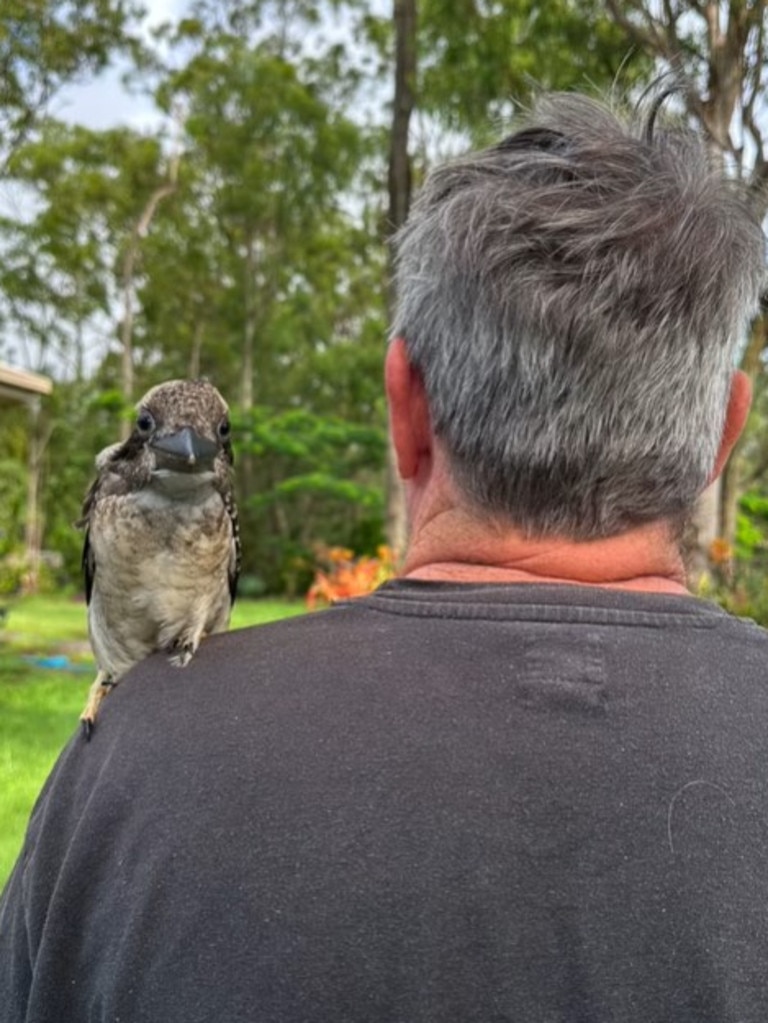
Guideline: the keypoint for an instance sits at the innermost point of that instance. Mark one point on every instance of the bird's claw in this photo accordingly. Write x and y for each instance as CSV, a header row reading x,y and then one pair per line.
x,y
183,655
102,685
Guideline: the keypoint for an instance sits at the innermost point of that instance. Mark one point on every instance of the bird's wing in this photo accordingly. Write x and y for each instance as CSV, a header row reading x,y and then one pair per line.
x,y
105,480
88,558
235,554
89,567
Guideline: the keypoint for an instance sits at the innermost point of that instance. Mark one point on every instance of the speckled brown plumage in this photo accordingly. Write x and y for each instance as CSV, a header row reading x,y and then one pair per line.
x,y
162,547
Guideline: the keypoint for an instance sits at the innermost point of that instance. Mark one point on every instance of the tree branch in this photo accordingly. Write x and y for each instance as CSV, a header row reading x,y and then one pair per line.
x,y
129,267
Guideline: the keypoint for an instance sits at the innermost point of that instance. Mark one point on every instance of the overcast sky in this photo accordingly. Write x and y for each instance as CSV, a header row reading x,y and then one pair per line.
x,y
105,102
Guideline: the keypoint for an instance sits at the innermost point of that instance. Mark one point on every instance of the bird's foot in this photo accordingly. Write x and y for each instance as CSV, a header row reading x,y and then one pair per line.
x,y
101,686
183,655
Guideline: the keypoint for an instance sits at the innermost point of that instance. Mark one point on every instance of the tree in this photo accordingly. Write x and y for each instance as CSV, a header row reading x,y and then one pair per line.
x,y
276,159
459,67
718,52
480,59
264,265
65,266
46,44
259,252
274,297
318,484
130,260
399,187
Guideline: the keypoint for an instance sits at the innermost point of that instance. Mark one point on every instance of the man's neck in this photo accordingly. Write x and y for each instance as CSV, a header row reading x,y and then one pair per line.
x,y
455,547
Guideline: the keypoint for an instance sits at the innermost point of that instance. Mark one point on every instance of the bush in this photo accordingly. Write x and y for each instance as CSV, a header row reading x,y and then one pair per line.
x,y
12,572
17,574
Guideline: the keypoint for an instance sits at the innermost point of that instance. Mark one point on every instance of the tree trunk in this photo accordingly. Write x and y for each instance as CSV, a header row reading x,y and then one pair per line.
x,y
126,331
246,387
140,229
246,472
196,350
249,329
399,181
725,46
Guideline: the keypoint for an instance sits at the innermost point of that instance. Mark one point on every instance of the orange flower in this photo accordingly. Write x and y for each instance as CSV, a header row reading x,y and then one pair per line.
x,y
336,555
720,551
348,576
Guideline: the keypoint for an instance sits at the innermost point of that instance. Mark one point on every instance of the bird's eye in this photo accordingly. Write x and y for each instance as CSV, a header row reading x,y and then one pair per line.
x,y
224,429
145,421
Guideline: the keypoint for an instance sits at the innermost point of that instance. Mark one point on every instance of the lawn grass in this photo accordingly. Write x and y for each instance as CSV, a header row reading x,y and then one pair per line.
x,y
45,670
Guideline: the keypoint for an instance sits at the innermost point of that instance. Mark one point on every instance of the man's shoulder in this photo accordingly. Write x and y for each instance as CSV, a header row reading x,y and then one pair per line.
x,y
307,629
240,658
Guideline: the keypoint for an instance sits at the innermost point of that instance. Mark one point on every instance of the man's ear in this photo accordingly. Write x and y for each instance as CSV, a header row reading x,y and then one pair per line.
x,y
409,422
739,401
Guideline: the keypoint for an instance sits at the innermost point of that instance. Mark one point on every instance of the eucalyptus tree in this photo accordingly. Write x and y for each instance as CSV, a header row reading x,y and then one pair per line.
x,y
478,61
60,283
718,53
278,289
277,160
46,44
63,261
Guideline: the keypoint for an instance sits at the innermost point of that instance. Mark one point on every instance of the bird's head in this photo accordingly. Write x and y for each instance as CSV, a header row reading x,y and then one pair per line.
x,y
181,434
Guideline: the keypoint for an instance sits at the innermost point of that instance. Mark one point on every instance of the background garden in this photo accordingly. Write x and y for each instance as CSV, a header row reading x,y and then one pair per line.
x,y
240,231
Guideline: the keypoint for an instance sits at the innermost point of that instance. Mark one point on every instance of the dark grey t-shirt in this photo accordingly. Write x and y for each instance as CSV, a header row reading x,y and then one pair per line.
x,y
537,804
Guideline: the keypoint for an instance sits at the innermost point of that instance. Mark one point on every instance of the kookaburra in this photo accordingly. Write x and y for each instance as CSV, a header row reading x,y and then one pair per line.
x,y
162,549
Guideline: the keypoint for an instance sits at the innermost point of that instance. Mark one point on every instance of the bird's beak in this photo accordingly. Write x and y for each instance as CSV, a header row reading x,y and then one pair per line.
x,y
184,451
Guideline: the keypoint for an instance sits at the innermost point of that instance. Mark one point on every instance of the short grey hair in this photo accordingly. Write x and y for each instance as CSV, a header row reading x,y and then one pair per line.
x,y
574,298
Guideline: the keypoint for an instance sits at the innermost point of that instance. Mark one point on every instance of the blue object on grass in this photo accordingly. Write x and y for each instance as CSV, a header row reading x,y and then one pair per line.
x,y
57,661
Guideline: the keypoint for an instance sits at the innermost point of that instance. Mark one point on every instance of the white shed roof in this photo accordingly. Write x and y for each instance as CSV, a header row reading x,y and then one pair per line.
x,y
21,384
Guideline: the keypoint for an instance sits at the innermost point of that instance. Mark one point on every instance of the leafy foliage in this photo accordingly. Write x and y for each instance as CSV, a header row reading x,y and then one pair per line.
x,y
315,477
265,269
752,528
478,57
45,44
61,266
738,571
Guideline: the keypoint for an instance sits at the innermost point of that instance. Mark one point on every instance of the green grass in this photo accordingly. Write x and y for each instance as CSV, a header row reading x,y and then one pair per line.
x,y
40,705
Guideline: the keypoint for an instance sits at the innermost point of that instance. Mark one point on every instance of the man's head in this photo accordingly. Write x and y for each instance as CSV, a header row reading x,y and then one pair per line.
x,y
574,299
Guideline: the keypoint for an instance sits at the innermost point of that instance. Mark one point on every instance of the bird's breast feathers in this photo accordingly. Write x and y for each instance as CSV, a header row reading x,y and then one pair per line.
x,y
161,573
